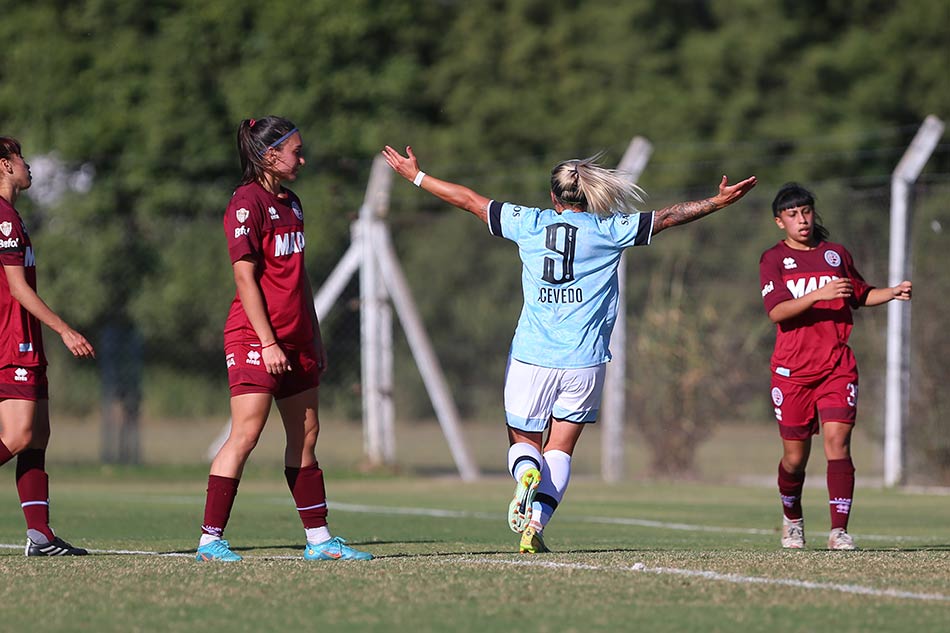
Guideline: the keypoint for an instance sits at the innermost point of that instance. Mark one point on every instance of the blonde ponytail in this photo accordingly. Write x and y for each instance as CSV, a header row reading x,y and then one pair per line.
x,y
584,184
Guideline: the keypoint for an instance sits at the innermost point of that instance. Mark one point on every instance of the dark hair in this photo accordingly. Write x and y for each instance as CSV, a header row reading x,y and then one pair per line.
x,y
9,147
254,138
791,195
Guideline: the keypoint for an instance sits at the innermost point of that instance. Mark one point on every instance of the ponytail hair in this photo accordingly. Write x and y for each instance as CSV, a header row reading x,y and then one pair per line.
x,y
584,184
791,195
254,138
9,146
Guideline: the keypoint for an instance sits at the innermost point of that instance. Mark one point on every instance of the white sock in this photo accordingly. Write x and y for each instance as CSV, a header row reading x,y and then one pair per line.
x,y
555,475
521,457
207,538
318,535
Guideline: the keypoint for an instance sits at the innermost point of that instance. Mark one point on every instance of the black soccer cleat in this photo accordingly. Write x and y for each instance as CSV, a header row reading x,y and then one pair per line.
x,y
56,547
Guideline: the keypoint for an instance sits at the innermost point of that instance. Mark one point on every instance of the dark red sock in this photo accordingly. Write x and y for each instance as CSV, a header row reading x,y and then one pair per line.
x,y
310,495
32,484
840,490
5,454
220,500
790,488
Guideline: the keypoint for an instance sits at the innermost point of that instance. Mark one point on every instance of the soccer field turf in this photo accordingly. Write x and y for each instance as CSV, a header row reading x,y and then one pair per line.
x,y
649,557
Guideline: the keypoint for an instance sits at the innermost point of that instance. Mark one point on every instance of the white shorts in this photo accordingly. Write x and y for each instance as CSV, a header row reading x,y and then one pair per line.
x,y
534,394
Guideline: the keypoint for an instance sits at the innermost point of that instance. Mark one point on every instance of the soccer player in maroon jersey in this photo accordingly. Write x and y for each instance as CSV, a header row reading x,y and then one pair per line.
x,y
272,345
810,286
24,392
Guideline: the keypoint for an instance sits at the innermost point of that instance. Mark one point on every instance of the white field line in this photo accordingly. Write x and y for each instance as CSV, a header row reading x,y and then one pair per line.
x,y
717,576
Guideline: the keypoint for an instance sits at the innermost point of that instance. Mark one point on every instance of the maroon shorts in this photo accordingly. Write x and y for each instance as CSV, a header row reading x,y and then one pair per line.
x,y
247,374
800,408
23,383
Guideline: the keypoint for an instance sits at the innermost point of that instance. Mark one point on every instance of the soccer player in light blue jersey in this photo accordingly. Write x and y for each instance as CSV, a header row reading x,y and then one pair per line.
x,y
569,254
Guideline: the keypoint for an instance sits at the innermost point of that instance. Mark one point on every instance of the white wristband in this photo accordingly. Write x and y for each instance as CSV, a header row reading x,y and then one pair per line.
x,y
417,181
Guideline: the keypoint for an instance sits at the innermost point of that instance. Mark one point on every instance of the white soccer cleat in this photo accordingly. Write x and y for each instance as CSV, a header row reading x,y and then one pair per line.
x,y
793,533
839,539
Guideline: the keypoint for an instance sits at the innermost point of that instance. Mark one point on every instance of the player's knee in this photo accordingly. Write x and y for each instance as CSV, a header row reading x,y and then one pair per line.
x,y
18,441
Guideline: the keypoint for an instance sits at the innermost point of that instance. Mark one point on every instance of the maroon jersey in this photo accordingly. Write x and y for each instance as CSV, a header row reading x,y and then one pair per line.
x,y
269,229
809,346
21,335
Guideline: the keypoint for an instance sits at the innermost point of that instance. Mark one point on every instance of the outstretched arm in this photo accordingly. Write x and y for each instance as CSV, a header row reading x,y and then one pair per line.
x,y
456,195
688,211
900,292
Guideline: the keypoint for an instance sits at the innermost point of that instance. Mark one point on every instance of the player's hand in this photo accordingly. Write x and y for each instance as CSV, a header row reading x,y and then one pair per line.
x,y
835,289
275,361
731,193
406,166
902,291
77,344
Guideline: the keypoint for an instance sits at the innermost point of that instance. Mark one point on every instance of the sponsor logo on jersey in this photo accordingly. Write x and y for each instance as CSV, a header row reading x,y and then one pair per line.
x,y
833,258
272,212
801,287
789,263
288,243
297,210
241,230
253,357
21,375
560,295
767,288
242,214
229,359
777,396
13,242
6,228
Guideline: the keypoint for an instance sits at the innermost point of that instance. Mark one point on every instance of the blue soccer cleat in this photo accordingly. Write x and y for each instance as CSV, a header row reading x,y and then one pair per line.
x,y
217,550
334,549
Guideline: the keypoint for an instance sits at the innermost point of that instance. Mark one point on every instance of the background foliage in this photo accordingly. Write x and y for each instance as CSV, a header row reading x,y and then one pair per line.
x,y
149,94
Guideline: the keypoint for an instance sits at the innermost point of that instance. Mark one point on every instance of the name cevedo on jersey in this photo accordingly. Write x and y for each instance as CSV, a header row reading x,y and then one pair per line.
x,y
288,243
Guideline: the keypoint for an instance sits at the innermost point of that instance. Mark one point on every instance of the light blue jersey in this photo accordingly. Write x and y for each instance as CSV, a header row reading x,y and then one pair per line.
x,y
569,280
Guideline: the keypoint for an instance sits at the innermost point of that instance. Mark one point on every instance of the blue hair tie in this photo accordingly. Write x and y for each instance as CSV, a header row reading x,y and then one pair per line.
x,y
280,140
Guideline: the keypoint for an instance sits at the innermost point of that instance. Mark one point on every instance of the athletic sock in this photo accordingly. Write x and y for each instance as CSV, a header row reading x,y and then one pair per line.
x,y
318,535
840,491
310,495
521,457
790,488
220,500
32,484
555,475
5,454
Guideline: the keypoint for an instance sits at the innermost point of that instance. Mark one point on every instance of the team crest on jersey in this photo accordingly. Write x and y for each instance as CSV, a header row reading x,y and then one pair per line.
x,y
789,263
297,210
6,228
272,212
833,258
777,396
242,215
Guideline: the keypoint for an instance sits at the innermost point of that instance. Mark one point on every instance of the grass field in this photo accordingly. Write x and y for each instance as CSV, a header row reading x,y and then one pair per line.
x,y
651,557
645,556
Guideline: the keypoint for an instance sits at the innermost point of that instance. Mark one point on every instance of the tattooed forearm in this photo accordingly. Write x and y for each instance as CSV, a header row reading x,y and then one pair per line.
x,y
682,213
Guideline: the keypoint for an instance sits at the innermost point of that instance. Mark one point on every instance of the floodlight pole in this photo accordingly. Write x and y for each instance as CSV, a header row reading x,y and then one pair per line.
x,y
897,389
634,161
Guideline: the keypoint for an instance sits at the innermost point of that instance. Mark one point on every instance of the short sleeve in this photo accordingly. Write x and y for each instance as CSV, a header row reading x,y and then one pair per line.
x,y
774,290
861,287
12,241
507,220
630,229
243,227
